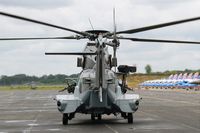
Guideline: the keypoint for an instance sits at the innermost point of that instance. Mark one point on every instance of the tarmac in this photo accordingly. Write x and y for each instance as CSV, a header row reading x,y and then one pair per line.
x,y
160,111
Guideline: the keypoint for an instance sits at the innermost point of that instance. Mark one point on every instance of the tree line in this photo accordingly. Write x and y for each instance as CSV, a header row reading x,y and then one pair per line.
x,y
148,70
21,79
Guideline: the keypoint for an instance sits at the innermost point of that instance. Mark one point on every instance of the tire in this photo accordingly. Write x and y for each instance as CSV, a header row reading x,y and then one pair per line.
x,y
130,118
92,117
65,119
99,117
124,115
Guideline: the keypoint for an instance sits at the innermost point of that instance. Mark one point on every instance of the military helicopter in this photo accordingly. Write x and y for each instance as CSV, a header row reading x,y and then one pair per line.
x,y
98,90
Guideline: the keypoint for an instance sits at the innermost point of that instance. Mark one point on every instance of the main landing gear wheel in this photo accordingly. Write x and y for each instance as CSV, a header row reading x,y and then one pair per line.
x,y
130,117
92,117
99,116
65,119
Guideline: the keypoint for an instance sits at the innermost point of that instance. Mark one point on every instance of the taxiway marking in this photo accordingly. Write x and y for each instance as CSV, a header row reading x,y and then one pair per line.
x,y
16,121
114,131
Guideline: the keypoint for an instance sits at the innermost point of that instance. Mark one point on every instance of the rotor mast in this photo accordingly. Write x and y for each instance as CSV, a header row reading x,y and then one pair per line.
x,y
100,65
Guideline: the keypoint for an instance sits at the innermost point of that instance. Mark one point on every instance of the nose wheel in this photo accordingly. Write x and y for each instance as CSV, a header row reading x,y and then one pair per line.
x,y
99,117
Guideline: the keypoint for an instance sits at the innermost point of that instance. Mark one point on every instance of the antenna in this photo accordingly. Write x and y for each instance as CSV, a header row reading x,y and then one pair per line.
x,y
91,24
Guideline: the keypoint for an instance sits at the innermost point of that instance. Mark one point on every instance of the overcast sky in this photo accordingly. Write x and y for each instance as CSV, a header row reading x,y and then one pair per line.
x,y
28,56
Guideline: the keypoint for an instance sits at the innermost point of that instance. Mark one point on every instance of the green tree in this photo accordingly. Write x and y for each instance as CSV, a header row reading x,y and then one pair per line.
x,y
148,69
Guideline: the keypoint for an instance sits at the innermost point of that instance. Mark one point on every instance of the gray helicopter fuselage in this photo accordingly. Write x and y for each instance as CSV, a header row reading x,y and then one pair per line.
x,y
98,90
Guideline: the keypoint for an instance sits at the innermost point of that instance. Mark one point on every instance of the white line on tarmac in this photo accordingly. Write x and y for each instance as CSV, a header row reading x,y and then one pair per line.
x,y
16,121
113,130
33,124
55,129
23,111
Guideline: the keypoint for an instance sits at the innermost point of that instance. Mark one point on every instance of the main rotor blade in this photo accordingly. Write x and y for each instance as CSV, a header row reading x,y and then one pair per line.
x,y
114,23
42,23
76,53
40,38
147,28
159,41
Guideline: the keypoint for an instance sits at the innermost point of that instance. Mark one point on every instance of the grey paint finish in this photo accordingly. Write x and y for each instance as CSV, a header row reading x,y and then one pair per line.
x,y
98,91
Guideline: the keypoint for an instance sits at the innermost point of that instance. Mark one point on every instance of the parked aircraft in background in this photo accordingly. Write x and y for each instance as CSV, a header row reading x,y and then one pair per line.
x,y
180,81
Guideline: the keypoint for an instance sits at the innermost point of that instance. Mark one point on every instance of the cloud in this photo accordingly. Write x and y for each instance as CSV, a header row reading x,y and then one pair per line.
x,y
28,56
42,4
